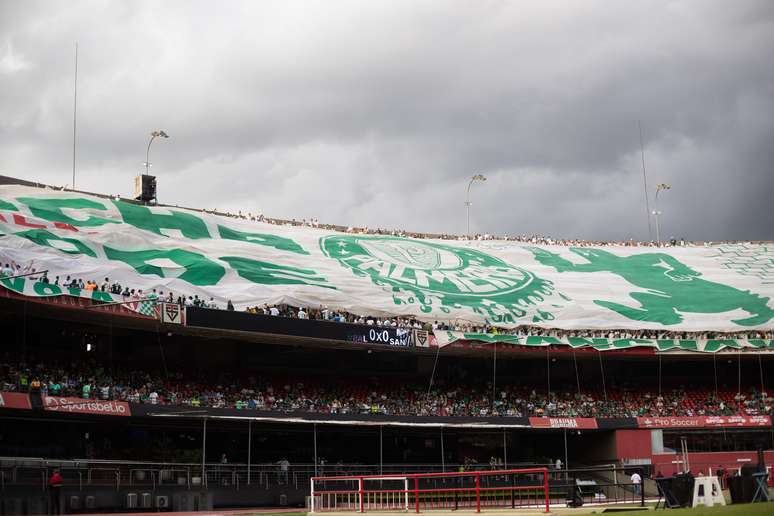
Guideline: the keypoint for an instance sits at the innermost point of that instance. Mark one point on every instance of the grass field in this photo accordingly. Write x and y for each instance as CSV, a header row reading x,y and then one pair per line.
x,y
747,509
756,509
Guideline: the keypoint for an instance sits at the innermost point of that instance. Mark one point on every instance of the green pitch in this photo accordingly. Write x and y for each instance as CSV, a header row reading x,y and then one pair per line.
x,y
747,509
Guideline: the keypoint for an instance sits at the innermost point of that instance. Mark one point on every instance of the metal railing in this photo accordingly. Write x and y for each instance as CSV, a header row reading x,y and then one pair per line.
x,y
33,472
607,484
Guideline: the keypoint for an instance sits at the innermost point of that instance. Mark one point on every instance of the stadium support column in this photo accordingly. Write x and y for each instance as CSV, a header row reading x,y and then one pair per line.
x,y
443,458
494,377
566,455
204,452
314,426
381,451
505,449
249,447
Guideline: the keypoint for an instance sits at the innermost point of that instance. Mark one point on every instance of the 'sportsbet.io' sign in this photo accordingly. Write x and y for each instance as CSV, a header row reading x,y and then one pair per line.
x,y
81,406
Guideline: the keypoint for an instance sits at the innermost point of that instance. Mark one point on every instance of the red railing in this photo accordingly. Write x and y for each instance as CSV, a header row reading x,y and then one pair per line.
x,y
505,481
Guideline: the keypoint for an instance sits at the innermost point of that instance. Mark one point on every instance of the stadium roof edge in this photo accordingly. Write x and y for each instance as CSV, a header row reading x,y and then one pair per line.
x,y
347,422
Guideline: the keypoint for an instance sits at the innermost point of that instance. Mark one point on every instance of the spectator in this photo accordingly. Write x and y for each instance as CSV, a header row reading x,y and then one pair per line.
x,y
637,483
721,473
55,492
284,468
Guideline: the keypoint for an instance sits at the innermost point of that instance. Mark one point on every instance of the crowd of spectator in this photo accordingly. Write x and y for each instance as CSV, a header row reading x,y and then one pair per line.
x,y
371,396
325,314
365,230
524,238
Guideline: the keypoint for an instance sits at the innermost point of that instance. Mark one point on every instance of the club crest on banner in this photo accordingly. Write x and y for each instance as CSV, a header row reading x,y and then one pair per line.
x,y
421,338
172,313
446,280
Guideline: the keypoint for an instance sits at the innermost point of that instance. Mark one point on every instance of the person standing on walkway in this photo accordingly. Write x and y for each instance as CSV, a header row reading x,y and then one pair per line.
x,y
55,492
637,483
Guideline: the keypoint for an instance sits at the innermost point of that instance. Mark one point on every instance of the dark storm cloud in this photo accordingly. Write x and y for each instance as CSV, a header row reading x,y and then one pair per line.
x,y
377,113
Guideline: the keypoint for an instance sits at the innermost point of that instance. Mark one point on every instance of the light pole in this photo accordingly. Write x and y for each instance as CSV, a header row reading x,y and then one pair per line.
x,y
477,177
154,134
657,212
658,227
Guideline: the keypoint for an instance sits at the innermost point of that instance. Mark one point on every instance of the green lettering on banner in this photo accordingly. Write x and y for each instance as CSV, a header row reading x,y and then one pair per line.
x,y
537,340
44,238
46,289
580,342
15,284
199,270
277,242
51,210
717,344
630,343
507,339
143,218
603,346
98,295
265,273
491,338
667,344
5,205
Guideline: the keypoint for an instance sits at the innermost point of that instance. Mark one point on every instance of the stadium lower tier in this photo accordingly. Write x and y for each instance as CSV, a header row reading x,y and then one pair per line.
x,y
215,420
244,462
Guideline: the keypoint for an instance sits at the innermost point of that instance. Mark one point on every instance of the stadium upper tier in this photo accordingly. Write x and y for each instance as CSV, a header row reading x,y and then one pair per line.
x,y
503,283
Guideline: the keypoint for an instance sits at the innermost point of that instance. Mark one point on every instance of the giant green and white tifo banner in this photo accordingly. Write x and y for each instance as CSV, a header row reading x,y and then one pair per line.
x,y
503,283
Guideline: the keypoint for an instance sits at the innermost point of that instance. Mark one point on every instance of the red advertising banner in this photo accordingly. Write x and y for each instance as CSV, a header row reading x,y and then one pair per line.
x,y
579,423
704,421
15,400
81,406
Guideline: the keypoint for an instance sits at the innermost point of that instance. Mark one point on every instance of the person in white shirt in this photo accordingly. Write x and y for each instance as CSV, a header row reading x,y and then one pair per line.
x,y
274,311
301,314
284,467
153,397
637,482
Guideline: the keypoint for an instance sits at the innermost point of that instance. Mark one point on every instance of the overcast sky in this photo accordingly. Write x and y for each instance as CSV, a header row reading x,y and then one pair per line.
x,y
378,113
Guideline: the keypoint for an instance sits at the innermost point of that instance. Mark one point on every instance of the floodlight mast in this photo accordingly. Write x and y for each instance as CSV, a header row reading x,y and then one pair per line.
x,y
477,177
154,135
